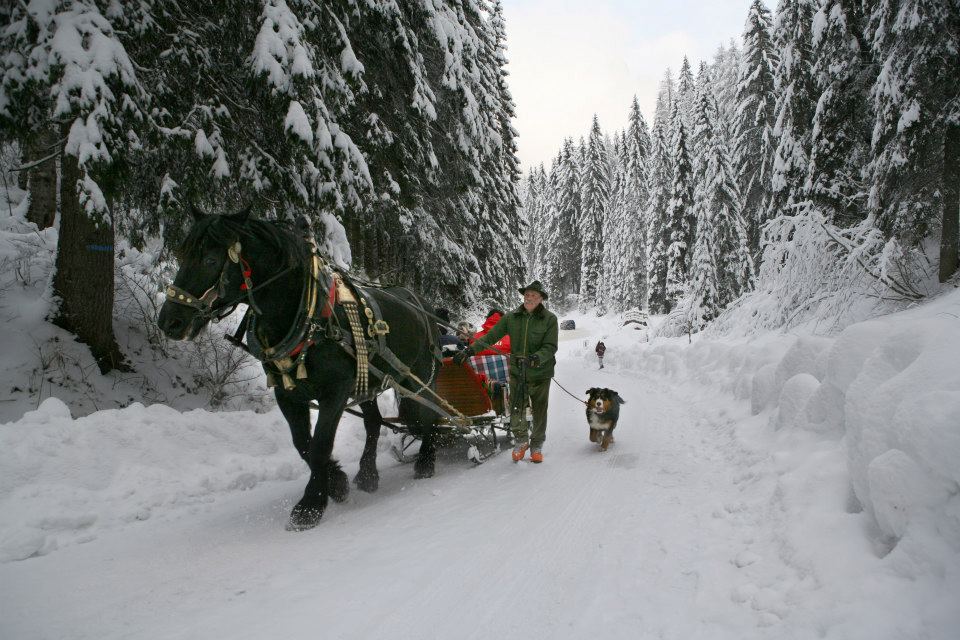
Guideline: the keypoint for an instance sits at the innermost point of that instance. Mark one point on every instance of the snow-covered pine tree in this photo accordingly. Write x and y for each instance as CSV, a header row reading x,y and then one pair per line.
x,y
614,264
723,75
717,200
704,302
550,263
501,255
795,105
679,212
65,70
531,187
636,198
703,121
581,156
660,179
544,222
368,112
840,149
568,211
916,136
686,95
595,195
754,119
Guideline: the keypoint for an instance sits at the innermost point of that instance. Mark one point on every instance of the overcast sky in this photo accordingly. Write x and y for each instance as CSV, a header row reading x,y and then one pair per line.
x,y
570,59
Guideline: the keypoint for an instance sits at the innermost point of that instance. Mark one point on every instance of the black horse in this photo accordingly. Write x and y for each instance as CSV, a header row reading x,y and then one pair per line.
x,y
230,259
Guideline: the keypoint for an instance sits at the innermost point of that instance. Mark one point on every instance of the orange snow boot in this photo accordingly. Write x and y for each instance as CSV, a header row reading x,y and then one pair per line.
x,y
520,450
536,456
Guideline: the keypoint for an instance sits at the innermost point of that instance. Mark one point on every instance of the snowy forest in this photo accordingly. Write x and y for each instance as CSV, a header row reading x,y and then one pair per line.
x,y
389,123
814,161
727,407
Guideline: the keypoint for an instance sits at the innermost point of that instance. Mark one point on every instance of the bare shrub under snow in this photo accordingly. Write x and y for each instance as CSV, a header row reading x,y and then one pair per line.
x,y
815,272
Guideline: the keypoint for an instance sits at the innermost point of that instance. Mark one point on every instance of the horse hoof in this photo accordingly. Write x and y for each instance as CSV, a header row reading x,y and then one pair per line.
x,y
339,485
367,482
303,518
424,471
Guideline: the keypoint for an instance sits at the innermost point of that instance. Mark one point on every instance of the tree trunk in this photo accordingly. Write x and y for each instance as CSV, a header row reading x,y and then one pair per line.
x,y
84,278
42,178
24,159
950,230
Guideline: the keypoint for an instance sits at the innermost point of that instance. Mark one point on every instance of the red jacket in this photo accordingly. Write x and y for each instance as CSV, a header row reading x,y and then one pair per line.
x,y
502,346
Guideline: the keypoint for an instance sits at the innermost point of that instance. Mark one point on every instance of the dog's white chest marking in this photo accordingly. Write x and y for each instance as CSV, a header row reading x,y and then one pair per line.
x,y
598,423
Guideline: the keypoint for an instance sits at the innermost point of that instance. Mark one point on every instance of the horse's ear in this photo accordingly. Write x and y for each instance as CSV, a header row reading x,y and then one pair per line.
x,y
195,212
242,215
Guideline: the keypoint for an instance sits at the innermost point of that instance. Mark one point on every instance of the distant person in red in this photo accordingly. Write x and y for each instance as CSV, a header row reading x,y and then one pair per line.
x,y
601,349
500,347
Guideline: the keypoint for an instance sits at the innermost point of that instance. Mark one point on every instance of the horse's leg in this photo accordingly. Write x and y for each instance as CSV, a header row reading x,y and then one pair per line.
x,y
424,467
368,478
327,479
421,421
297,413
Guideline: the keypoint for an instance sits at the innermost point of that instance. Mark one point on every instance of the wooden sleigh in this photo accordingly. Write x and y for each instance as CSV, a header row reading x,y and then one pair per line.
x,y
482,400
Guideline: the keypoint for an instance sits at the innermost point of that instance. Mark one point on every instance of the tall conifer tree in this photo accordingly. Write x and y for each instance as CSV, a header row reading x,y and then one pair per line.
x,y
796,101
596,194
660,180
679,212
836,181
916,135
754,119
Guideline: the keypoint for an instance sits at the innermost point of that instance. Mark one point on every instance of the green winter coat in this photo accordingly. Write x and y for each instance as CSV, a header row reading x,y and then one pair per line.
x,y
535,333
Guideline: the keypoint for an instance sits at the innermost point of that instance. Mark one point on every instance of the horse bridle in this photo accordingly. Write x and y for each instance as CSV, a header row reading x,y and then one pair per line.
x,y
204,303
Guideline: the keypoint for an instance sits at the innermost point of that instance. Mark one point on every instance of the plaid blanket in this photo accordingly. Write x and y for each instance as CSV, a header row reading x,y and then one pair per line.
x,y
495,368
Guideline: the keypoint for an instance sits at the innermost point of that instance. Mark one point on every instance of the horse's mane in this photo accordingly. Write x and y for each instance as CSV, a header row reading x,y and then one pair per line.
x,y
219,231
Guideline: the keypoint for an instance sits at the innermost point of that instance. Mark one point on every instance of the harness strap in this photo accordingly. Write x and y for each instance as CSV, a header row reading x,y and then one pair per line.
x,y
349,303
447,410
377,327
293,353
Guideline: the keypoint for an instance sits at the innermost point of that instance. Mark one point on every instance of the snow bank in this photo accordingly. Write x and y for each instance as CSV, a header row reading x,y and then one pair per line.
x,y
63,480
884,393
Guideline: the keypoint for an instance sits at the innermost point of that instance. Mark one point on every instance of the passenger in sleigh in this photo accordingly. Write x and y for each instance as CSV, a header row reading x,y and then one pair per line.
x,y
492,365
501,347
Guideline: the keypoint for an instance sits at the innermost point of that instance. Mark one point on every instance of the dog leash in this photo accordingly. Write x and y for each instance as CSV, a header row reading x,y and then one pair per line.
x,y
583,402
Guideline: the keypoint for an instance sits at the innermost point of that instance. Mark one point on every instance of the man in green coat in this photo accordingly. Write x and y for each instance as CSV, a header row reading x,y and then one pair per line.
x,y
533,335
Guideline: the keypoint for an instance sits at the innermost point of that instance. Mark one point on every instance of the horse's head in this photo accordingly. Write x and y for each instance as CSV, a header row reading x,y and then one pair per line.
x,y
210,276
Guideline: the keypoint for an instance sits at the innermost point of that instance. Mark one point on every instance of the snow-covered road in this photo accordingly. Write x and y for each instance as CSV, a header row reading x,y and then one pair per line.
x,y
644,539
702,521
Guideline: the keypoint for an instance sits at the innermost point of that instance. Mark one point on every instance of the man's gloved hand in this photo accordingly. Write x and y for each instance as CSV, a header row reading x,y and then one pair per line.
x,y
461,356
533,360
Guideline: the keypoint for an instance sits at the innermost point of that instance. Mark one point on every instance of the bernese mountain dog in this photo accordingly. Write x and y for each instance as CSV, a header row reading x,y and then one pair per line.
x,y
603,411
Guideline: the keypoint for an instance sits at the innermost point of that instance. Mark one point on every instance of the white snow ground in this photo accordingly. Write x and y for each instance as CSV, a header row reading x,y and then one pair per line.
x,y
781,487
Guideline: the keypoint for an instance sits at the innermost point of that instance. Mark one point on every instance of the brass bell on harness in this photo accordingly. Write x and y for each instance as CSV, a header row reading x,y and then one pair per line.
x,y
378,328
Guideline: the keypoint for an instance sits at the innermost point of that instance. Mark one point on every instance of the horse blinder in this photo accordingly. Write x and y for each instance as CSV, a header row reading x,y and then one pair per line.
x,y
204,303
